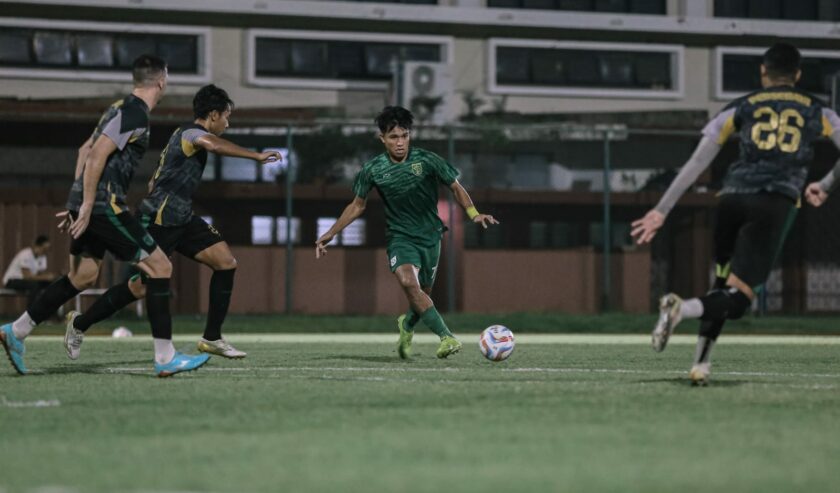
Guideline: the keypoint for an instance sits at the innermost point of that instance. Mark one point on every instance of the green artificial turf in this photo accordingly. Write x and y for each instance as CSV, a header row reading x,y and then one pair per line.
x,y
466,323
351,417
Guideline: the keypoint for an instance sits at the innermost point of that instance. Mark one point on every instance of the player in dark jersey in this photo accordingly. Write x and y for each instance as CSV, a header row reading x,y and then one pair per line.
x,y
98,220
407,178
168,215
777,127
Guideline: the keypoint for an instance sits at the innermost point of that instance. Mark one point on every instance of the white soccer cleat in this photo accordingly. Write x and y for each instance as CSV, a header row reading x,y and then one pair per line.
x,y
220,348
699,374
669,317
73,337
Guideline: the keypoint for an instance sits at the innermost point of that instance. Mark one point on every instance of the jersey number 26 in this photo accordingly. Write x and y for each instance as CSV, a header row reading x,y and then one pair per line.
x,y
783,130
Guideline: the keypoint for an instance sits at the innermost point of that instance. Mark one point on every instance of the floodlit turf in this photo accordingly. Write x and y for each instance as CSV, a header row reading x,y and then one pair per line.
x,y
465,323
582,414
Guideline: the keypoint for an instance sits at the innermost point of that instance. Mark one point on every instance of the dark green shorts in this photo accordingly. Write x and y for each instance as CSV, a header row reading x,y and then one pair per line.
x,y
426,259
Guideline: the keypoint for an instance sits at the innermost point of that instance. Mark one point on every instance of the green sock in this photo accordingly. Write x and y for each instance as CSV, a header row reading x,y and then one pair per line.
x,y
411,319
434,321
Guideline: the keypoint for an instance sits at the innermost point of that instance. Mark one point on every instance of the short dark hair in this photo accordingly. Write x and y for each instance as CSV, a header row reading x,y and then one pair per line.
x,y
41,239
210,98
147,68
392,117
782,61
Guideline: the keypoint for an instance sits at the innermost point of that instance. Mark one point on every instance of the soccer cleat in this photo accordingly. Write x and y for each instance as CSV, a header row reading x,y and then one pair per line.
x,y
404,344
73,337
220,348
448,345
180,363
14,348
669,317
699,374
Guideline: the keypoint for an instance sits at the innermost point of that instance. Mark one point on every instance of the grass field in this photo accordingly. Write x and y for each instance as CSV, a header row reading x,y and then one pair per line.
x,y
343,414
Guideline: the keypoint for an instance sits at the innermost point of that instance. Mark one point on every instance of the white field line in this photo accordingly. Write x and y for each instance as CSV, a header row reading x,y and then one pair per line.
x,y
449,370
593,339
39,403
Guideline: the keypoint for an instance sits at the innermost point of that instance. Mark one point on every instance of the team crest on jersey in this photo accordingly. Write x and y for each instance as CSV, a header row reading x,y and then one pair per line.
x,y
417,168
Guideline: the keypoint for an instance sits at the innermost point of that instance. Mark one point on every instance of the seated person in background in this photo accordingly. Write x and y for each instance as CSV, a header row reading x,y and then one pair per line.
x,y
28,270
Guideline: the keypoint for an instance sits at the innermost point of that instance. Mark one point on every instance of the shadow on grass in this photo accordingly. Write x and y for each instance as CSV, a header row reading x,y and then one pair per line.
x,y
685,382
356,357
95,368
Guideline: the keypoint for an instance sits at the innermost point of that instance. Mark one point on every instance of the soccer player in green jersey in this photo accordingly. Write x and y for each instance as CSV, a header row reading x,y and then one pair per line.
x,y
407,179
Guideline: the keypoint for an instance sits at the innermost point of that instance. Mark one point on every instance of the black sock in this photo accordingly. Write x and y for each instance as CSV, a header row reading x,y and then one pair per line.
x,y
51,299
108,304
722,304
157,306
711,329
221,286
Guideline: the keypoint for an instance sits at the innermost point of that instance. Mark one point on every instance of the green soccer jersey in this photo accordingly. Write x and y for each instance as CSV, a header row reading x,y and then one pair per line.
x,y
410,193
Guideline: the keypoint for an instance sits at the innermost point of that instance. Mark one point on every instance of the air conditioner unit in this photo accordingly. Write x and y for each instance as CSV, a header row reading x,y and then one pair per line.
x,y
428,91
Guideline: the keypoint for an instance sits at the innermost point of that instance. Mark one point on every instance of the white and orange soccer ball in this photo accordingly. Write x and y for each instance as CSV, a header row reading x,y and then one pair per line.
x,y
496,343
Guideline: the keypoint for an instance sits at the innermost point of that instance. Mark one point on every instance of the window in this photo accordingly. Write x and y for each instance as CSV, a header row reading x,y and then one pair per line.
x,y
270,171
585,69
656,7
281,230
261,230
331,60
738,72
98,51
353,235
238,169
209,173
798,10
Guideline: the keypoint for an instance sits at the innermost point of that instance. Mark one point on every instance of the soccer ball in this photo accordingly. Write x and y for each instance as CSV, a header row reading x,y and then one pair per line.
x,y
496,343
121,332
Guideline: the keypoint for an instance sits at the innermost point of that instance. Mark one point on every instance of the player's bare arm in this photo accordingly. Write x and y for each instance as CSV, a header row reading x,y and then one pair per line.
x,y
352,212
218,145
466,203
84,152
93,167
645,228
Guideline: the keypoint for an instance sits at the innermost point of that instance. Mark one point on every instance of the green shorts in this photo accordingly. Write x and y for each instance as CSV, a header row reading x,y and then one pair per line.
x,y
426,259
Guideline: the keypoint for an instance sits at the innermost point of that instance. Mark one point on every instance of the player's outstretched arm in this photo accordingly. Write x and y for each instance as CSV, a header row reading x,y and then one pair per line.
x,y
351,213
645,228
817,192
223,147
466,203
93,167
84,152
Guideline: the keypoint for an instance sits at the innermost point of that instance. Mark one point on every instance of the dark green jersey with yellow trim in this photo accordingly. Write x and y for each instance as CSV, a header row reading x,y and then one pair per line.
x,y
410,193
177,177
777,128
126,122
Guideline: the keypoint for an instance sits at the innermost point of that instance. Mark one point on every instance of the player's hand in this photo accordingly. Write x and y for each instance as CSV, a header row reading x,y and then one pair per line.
x,y
79,226
645,229
65,220
321,246
815,195
484,220
269,157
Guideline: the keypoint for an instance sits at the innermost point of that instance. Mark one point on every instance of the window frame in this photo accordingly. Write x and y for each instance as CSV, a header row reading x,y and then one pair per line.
x,y
717,65
447,44
493,87
203,55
